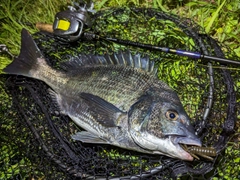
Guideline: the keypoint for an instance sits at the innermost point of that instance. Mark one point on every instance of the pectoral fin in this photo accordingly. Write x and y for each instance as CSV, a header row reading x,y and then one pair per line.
x,y
102,111
87,137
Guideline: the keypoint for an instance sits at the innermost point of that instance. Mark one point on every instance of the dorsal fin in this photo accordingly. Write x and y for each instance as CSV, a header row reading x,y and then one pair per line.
x,y
122,58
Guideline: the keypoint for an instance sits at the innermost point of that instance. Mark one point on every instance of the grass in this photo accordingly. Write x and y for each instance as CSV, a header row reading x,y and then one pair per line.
x,y
220,19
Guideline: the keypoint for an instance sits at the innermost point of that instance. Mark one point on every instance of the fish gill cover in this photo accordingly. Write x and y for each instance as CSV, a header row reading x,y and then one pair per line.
x,y
36,139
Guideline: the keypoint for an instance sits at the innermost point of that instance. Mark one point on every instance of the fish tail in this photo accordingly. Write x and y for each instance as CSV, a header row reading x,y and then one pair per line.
x,y
26,62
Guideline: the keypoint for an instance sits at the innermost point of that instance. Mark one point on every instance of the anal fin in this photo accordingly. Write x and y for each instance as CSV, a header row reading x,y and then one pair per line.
x,y
87,137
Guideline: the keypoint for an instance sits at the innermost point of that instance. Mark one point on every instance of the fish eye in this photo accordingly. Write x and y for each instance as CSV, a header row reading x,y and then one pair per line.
x,y
172,115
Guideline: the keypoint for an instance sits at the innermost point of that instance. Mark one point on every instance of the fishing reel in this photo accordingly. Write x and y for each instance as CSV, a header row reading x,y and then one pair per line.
x,y
69,24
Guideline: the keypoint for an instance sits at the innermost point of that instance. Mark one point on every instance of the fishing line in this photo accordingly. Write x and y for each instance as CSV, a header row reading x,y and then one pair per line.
x,y
4,49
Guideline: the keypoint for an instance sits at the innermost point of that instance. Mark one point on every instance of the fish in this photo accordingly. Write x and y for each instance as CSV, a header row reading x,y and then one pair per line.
x,y
116,98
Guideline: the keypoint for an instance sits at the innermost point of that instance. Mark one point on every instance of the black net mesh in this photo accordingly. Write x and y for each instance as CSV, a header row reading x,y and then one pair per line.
x,y
36,140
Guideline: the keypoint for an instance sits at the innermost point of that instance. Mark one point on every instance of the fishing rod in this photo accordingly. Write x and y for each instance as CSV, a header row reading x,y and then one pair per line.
x,y
190,54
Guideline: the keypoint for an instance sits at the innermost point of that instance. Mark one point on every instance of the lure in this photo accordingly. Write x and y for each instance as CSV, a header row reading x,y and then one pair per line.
x,y
205,152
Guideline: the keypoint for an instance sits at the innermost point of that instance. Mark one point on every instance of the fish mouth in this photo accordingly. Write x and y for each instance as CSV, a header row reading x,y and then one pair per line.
x,y
178,140
186,140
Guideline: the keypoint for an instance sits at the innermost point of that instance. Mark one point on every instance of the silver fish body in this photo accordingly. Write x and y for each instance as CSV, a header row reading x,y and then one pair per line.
x,y
117,99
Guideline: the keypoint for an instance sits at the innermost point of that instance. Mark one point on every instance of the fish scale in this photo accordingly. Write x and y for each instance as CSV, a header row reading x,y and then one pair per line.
x,y
126,87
